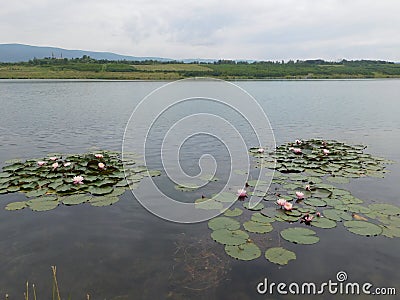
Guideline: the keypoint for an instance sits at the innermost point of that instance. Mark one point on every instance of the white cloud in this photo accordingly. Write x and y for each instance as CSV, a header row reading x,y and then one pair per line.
x,y
254,29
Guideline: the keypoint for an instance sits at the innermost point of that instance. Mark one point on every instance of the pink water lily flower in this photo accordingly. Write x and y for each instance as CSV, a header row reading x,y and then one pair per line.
x,y
41,163
242,193
307,187
296,150
78,180
318,214
67,164
55,165
308,218
288,206
98,155
281,202
101,165
260,150
325,151
298,142
300,195
53,158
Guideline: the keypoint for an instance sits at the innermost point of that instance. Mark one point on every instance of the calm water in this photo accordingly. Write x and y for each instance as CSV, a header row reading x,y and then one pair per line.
x,y
124,252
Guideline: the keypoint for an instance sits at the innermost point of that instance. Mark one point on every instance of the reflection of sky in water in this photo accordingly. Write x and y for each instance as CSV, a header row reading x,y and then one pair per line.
x,y
122,249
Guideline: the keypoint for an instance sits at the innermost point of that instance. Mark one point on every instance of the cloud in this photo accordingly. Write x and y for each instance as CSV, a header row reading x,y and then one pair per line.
x,y
258,29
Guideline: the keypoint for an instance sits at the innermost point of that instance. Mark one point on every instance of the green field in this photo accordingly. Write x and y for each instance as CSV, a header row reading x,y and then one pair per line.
x,y
87,68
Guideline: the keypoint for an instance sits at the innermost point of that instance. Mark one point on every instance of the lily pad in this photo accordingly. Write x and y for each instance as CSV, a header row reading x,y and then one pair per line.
x,y
229,237
103,200
246,251
337,215
323,223
385,209
315,202
279,255
257,207
75,199
100,190
233,212
258,217
257,227
43,203
208,204
300,235
223,223
338,179
225,197
16,205
363,228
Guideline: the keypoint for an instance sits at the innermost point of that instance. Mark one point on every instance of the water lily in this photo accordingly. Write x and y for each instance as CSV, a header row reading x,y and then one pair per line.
x,y
55,165
260,150
281,202
325,151
98,155
300,195
53,158
67,164
307,187
288,206
318,214
41,163
296,150
101,165
298,142
78,180
308,218
242,193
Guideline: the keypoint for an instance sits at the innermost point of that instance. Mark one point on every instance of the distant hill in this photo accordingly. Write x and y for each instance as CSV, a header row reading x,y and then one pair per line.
x,y
21,53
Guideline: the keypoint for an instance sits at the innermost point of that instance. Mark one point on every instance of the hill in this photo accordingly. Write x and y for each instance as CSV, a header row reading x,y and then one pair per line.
x,y
22,53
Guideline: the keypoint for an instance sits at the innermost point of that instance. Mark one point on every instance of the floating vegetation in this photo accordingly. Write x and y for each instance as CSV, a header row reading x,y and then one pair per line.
x,y
279,255
94,178
306,192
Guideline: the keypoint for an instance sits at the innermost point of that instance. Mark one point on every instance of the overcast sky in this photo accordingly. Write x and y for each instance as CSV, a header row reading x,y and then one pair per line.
x,y
231,29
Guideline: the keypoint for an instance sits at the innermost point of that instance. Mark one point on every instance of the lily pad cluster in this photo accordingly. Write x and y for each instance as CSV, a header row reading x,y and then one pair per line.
x,y
97,178
307,195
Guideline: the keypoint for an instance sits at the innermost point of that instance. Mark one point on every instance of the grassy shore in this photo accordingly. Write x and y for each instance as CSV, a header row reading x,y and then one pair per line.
x,y
91,69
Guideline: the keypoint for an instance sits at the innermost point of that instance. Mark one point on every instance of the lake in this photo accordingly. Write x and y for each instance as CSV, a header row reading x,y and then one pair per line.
x,y
125,252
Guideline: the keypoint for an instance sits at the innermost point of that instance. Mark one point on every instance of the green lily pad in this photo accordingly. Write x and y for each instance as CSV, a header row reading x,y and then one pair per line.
x,y
103,200
233,212
36,193
363,228
315,202
187,187
257,207
323,223
338,179
229,237
385,209
225,197
16,205
337,215
246,251
43,203
75,199
258,217
100,190
279,255
321,193
257,227
208,204
300,235
223,223
358,208
391,231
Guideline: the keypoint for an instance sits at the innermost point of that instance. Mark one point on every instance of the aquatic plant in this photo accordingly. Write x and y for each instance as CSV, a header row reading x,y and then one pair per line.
x,y
94,178
308,174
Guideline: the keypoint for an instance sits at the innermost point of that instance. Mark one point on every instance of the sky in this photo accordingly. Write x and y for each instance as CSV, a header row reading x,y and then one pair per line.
x,y
218,29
